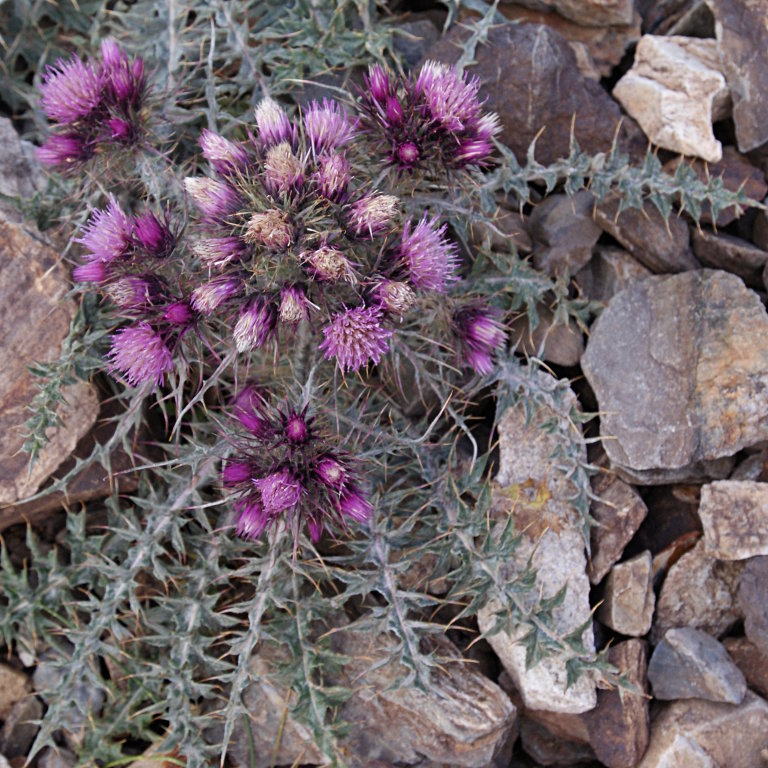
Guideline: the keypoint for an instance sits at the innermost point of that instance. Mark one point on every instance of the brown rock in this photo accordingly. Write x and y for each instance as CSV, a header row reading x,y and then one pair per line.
x,y
660,16
618,511
672,520
34,320
531,78
753,599
760,228
679,366
732,254
13,687
751,661
619,726
734,170
704,734
508,232
699,592
591,13
741,27
19,729
734,514
546,748
676,90
556,342
564,232
659,245
629,599
611,270
606,45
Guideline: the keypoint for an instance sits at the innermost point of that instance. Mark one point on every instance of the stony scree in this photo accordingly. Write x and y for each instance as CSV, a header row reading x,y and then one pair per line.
x,y
14,686
679,366
593,13
698,591
556,342
552,538
610,270
690,664
753,599
629,599
734,514
675,90
752,662
732,254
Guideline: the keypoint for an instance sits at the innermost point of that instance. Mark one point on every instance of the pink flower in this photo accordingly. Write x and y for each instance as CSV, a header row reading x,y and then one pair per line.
x,y
63,150
255,326
273,124
224,155
372,215
327,126
71,90
479,334
280,491
108,233
430,259
355,337
140,354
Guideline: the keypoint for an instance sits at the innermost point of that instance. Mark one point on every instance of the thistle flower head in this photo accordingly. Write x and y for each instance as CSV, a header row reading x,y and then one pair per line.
x,y
108,233
134,291
214,199
124,78
270,228
378,84
328,263
332,176
283,171
224,155
250,409
71,90
280,491
140,354
294,306
479,334
372,215
331,472
451,99
255,326
394,296
153,235
273,124
408,154
353,504
429,258
218,251
327,126
63,150
210,296
295,426
252,519
356,337
94,271
179,313
236,472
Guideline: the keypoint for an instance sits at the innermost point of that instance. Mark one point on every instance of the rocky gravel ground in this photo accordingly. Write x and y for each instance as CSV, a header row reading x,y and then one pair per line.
x,y
676,579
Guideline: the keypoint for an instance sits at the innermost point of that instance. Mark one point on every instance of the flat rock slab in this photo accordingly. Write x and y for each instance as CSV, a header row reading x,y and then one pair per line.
x,y
734,514
590,13
732,254
741,28
533,487
702,734
753,599
699,592
530,76
679,365
676,90
690,664
629,598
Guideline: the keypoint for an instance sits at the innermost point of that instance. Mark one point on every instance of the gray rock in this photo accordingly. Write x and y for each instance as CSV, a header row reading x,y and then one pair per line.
x,y
564,232
752,662
690,664
734,514
699,592
659,245
552,537
62,758
741,28
618,510
590,13
611,270
20,173
531,78
694,733
659,359
20,727
412,38
556,342
732,254
629,598
676,90
753,599
14,686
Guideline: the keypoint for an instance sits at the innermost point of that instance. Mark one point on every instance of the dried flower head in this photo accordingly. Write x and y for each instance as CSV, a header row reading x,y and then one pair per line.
x,y
283,171
208,297
372,215
270,228
255,326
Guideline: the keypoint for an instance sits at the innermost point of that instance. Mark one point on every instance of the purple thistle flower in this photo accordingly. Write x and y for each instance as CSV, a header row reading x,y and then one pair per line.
x,y
134,291
487,126
219,251
63,150
71,90
179,313
273,124
479,334
253,518
214,199
283,171
408,154
250,410
294,306
332,176
224,155
330,472
328,263
121,130
356,337
394,113
473,151
154,236
236,472
140,354
210,296
450,98
353,504
107,235
125,78
431,260
327,126
295,426
255,326
95,271
314,526
280,491
378,84
394,296
372,215
270,228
